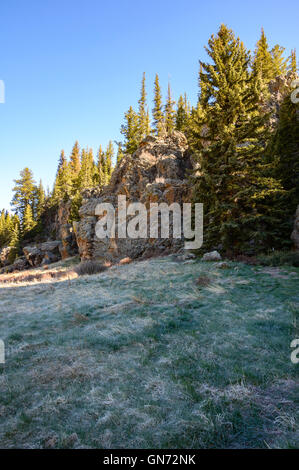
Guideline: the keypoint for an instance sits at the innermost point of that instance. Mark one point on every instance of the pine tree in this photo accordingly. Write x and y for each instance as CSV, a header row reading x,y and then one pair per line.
x,y
263,62
227,136
75,164
63,181
40,199
6,226
182,114
15,240
100,164
283,151
130,130
293,66
148,123
120,153
142,113
86,173
28,222
169,112
279,63
24,192
109,155
158,110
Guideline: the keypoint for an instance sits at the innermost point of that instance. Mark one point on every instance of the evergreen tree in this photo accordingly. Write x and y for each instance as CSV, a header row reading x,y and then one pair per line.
x,y
86,173
40,200
63,181
227,136
28,222
24,192
158,110
130,130
263,62
148,123
283,151
142,113
15,239
100,167
120,153
75,163
109,155
293,66
169,112
182,114
6,226
279,63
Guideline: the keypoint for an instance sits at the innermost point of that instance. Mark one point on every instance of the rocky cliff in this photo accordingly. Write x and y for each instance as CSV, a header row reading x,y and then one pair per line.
x,y
156,172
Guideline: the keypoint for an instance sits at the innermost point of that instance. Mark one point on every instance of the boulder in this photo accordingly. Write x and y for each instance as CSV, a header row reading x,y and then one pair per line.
x,y
68,246
4,255
211,256
20,264
44,253
33,255
49,258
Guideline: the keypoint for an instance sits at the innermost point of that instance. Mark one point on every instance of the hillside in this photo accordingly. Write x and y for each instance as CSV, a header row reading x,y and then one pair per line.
x,y
161,353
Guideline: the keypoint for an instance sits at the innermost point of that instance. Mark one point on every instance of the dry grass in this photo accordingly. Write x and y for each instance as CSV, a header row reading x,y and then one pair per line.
x,y
139,357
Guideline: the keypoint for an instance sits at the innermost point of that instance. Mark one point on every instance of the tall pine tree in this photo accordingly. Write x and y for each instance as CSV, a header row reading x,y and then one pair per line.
x,y
169,112
228,138
130,130
158,114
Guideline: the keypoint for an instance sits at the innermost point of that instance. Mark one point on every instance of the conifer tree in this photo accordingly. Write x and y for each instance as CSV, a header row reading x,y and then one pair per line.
x,y
230,179
142,113
6,226
63,182
28,222
15,239
24,192
169,112
283,151
263,62
120,153
75,163
100,166
293,66
130,130
109,155
182,114
279,63
148,123
40,199
158,115
86,173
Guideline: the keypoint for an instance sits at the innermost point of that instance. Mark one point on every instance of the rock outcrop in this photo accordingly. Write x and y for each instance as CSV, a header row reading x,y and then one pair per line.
x,y
44,253
279,88
156,172
4,256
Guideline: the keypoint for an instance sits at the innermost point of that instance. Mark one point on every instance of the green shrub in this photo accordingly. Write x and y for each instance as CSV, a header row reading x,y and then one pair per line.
x,y
280,258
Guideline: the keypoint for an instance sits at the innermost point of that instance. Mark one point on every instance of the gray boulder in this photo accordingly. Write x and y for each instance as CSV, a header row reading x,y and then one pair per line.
x,y
211,256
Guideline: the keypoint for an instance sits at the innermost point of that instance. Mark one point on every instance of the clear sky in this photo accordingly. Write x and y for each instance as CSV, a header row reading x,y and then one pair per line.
x,y
72,68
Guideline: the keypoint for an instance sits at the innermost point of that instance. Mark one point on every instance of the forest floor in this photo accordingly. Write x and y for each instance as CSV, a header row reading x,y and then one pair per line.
x,y
153,354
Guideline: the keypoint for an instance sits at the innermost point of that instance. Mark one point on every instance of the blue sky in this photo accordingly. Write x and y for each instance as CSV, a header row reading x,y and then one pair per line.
x,y
72,68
